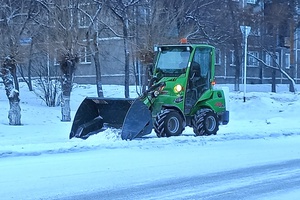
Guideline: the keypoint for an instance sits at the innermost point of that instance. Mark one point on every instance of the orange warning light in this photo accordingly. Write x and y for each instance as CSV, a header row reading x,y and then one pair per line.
x,y
183,41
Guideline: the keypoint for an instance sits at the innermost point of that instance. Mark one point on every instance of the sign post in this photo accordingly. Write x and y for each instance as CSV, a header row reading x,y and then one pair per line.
x,y
245,30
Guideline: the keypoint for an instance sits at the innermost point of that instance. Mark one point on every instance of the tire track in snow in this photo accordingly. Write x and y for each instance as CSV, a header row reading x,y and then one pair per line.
x,y
244,183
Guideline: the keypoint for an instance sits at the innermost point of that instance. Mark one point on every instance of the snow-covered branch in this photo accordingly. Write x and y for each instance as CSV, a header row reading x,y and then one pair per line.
x,y
276,68
111,29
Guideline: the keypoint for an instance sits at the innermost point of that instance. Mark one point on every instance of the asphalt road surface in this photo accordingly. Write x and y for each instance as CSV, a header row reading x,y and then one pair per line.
x,y
251,169
246,183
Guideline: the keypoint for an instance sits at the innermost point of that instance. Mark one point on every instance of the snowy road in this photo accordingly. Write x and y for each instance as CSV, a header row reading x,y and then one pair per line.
x,y
248,183
194,169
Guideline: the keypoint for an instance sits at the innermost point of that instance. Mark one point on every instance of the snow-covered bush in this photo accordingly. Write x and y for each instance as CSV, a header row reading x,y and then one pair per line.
x,y
49,90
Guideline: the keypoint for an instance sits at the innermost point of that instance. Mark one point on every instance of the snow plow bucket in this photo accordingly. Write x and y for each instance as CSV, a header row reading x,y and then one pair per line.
x,y
138,121
93,113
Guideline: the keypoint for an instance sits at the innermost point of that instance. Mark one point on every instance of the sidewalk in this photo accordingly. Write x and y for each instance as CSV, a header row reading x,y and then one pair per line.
x,y
34,140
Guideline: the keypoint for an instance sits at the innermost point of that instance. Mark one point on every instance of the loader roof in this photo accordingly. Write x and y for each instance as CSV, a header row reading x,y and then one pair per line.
x,y
186,45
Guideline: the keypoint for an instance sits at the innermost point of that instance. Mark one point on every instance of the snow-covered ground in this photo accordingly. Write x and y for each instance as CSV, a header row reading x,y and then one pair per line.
x,y
265,118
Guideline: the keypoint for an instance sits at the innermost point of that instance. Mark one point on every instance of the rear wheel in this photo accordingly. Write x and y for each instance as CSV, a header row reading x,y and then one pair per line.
x,y
168,123
205,122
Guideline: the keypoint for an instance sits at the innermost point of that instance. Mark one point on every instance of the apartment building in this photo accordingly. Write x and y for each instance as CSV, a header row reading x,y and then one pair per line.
x,y
272,46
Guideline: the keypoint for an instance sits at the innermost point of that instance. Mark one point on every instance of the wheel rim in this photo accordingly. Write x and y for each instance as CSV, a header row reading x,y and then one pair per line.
x,y
173,124
210,123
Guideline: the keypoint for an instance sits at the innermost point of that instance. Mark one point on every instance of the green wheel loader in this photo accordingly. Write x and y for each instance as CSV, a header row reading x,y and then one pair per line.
x,y
181,93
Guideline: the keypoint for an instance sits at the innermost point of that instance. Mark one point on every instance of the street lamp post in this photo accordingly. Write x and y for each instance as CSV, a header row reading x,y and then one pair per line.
x,y
245,30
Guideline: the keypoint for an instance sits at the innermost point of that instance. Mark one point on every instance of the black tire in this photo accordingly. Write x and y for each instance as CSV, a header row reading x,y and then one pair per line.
x,y
168,123
205,122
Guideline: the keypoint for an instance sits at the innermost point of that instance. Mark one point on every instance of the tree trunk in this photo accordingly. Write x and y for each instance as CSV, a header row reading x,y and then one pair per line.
x,y
98,75
12,93
65,108
145,77
292,55
237,66
29,82
126,51
65,100
96,57
21,71
68,68
236,46
273,80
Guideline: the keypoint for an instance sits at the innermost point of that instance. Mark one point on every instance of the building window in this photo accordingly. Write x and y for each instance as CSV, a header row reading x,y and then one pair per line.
x,y
218,57
57,57
232,58
268,59
272,60
287,60
252,61
251,1
277,58
297,38
85,56
83,19
248,1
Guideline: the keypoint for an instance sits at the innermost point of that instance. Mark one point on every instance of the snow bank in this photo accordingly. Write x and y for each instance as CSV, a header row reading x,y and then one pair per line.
x,y
264,115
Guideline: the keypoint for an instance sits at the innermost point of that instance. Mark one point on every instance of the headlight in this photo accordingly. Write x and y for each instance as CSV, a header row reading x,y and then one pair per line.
x,y
178,88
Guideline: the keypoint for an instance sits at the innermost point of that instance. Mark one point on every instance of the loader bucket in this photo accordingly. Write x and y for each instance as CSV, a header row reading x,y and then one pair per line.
x,y
138,121
93,113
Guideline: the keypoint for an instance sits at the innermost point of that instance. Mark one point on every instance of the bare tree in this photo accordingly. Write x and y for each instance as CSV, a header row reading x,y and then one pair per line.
x,y
68,67
7,72
122,9
48,85
236,41
207,21
14,18
92,37
278,15
64,34
293,21
276,67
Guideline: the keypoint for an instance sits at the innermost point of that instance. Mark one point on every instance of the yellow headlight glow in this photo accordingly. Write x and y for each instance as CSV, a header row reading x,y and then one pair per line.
x,y
178,88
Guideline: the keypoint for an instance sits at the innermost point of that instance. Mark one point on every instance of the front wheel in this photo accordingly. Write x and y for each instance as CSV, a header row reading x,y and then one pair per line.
x,y
168,123
205,122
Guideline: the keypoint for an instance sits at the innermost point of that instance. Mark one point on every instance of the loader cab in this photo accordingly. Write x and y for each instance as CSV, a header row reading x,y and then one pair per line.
x,y
190,66
200,71
173,61
199,75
